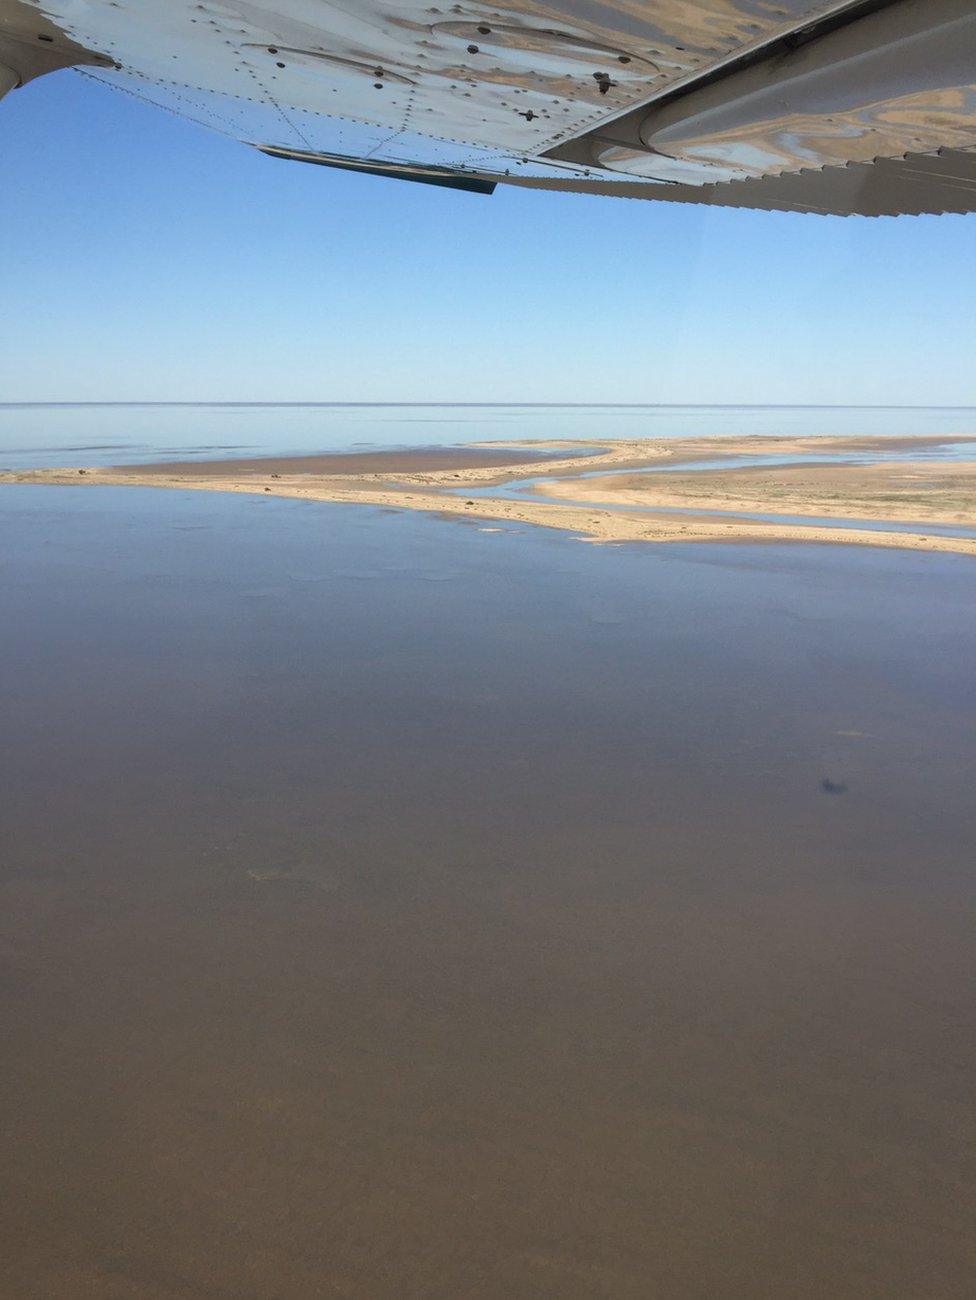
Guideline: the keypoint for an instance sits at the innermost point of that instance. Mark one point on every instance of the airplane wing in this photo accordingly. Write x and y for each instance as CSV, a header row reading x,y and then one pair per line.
x,y
859,107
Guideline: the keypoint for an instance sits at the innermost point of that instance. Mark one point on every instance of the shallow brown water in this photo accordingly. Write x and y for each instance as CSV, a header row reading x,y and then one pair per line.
x,y
418,460
396,910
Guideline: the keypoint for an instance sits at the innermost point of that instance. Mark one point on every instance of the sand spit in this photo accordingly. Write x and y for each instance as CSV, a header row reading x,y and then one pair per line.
x,y
591,489
903,491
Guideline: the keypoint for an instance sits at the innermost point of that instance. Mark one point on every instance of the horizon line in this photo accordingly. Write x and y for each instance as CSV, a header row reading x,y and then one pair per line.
x,y
664,406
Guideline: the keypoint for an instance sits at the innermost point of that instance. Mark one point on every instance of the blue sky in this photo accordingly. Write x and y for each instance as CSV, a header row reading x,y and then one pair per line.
x,y
147,259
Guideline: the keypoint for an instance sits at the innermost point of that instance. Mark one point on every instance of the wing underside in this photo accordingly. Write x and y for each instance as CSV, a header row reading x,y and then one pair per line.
x,y
797,105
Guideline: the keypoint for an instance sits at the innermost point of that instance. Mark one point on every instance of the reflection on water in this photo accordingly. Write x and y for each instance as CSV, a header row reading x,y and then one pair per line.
x,y
33,436
395,910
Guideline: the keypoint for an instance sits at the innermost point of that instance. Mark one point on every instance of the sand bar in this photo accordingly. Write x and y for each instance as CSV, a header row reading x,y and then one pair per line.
x,y
593,490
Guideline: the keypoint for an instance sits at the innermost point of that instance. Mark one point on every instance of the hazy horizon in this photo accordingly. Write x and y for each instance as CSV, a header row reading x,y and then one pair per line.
x,y
434,402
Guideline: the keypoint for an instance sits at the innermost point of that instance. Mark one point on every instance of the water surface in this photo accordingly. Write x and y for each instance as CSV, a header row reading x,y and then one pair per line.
x,y
33,435
392,908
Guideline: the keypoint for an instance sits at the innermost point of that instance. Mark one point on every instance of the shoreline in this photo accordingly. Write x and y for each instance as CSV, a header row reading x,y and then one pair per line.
x,y
614,503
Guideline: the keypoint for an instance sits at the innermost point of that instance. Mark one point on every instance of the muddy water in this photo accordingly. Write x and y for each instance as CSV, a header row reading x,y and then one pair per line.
x,y
396,909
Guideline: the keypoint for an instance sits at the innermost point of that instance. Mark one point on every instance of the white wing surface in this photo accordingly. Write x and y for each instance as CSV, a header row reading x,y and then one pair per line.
x,y
801,105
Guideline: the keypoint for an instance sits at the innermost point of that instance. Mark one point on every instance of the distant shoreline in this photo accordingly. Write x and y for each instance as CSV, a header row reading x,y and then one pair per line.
x,y
602,492
542,406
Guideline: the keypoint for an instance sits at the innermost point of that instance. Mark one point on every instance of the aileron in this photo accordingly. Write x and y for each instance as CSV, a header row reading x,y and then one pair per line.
x,y
864,107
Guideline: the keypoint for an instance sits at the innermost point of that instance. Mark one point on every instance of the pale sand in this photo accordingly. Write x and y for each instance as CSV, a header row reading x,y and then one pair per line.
x,y
906,491
921,493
